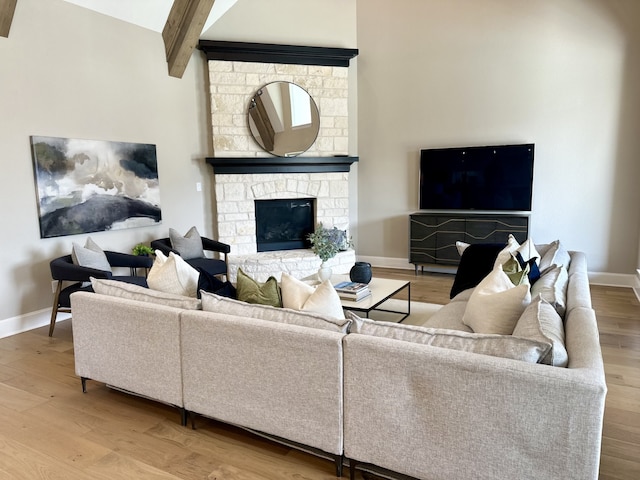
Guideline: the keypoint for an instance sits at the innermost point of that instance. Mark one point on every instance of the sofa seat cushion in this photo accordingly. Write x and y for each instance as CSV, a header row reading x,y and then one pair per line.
x,y
449,317
215,303
540,322
505,346
142,294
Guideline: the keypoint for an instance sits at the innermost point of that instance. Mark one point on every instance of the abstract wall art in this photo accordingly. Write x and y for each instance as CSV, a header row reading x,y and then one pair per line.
x,y
92,185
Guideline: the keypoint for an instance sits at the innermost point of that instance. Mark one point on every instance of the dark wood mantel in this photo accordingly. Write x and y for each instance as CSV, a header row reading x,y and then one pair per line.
x,y
274,53
240,165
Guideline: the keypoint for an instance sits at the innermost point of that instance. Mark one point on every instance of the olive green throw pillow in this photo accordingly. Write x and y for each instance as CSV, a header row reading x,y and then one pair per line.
x,y
515,272
250,291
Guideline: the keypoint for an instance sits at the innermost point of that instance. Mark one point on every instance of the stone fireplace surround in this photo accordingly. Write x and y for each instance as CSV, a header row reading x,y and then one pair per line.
x,y
243,174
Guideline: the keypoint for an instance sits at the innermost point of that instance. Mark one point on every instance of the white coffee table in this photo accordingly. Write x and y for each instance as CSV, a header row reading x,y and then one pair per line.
x,y
382,289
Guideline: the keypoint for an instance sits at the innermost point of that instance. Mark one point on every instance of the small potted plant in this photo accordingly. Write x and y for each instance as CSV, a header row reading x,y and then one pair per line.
x,y
326,243
142,250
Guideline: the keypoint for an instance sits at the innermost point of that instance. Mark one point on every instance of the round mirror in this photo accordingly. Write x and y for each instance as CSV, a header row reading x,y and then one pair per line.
x,y
283,119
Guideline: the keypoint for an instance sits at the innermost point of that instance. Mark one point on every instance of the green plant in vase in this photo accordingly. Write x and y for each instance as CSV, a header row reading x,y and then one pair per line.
x,y
142,250
326,243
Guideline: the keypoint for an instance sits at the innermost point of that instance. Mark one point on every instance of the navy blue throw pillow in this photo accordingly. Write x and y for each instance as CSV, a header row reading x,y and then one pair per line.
x,y
212,284
476,263
534,271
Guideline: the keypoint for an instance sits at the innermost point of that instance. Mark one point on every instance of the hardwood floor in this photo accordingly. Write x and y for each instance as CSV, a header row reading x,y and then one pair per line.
x,y
51,430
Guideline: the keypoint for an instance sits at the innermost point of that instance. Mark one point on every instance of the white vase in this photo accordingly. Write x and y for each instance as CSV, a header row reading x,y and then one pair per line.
x,y
324,273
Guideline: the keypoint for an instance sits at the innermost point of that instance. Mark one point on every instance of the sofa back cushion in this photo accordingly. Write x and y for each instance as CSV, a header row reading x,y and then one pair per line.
x,y
505,346
119,289
540,322
215,303
552,285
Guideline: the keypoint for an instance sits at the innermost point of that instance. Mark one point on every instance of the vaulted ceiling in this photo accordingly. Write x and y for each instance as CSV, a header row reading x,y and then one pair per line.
x,y
150,14
180,21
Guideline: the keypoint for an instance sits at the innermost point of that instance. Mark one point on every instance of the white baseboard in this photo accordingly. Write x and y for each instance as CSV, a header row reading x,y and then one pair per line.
x,y
595,278
29,321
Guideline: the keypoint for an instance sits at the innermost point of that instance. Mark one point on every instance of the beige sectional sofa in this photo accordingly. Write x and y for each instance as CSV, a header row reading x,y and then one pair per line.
x,y
401,405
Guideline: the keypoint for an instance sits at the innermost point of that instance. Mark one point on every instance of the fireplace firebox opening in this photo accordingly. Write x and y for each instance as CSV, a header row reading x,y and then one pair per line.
x,y
284,224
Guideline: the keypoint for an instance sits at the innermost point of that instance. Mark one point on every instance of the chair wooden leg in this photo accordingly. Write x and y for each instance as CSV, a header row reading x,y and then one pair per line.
x,y
54,310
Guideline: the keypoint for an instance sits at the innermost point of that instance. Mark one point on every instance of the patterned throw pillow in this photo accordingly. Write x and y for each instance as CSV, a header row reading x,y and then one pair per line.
x,y
250,291
91,256
189,246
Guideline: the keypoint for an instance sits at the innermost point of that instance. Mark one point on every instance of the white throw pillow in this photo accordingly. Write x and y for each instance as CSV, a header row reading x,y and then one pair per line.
x,y
91,256
507,251
496,304
294,292
324,300
298,295
461,247
528,251
173,275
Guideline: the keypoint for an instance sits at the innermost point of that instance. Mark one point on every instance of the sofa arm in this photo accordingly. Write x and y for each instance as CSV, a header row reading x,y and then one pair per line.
x,y
441,414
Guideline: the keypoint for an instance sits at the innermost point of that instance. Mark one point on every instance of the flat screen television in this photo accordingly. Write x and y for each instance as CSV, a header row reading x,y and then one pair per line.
x,y
491,178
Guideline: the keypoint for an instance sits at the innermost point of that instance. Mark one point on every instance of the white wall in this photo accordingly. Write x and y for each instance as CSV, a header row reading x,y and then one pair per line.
x,y
464,72
70,72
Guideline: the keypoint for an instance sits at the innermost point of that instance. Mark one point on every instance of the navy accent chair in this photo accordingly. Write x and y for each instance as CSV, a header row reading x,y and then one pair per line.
x,y
213,266
64,271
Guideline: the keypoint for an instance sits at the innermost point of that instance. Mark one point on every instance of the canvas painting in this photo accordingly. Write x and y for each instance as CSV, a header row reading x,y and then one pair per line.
x,y
92,185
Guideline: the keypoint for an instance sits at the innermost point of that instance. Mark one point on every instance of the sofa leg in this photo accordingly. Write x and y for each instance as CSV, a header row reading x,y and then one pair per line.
x,y
83,380
339,460
184,415
352,469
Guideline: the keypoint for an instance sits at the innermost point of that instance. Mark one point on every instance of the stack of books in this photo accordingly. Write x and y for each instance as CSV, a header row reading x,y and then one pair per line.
x,y
353,291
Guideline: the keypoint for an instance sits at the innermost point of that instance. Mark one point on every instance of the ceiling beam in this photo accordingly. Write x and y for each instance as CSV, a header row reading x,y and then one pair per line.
x,y
7,7
182,32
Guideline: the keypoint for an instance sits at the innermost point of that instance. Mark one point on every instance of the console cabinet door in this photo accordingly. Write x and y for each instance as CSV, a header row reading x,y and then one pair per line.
x,y
422,238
